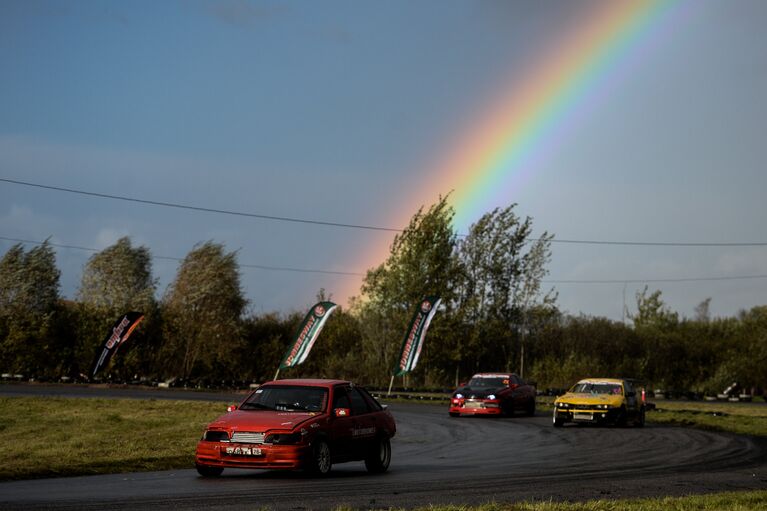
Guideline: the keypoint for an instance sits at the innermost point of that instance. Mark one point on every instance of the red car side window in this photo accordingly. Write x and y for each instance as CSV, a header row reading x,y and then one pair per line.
x,y
372,403
359,405
340,398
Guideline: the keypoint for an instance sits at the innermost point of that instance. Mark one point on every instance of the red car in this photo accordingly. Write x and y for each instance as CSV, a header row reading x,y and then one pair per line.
x,y
299,424
493,394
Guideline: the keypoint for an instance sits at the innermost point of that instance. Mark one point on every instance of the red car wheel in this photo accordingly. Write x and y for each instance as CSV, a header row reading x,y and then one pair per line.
x,y
380,456
206,471
321,463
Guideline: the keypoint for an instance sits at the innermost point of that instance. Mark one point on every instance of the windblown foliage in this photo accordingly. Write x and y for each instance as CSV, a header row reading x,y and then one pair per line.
x,y
203,309
495,315
117,280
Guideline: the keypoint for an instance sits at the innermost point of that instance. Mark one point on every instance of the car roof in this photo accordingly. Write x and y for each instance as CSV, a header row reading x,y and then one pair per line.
x,y
492,375
601,380
308,382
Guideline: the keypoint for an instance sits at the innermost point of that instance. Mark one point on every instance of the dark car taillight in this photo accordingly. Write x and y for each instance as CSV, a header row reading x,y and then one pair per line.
x,y
216,436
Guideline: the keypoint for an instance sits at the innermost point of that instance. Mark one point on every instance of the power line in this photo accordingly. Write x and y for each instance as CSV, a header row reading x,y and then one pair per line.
x,y
358,274
199,208
169,258
662,243
650,281
361,226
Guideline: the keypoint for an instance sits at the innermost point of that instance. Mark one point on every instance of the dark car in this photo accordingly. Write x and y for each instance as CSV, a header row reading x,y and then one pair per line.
x,y
493,394
299,424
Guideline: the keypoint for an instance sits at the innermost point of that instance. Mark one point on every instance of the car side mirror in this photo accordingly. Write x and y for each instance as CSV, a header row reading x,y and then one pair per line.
x,y
513,386
231,408
342,412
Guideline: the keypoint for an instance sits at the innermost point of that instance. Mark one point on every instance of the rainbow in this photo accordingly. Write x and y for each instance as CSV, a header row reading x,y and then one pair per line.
x,y
525,122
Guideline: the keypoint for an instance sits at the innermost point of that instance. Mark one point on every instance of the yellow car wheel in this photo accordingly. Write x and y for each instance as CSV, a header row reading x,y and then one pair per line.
x,y
640,421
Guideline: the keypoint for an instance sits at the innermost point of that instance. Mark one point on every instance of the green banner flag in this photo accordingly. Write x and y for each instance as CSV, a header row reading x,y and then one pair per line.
x,y
307,334
416,333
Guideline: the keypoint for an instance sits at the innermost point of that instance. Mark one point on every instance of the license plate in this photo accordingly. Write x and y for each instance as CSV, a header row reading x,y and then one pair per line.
x,y
473,404
583,417
243,451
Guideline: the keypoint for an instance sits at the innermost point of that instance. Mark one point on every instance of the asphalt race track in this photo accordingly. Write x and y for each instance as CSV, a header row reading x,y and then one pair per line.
x,y
436,459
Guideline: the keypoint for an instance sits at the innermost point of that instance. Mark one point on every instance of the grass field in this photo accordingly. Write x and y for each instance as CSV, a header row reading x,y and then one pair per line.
x,y
67,436
734,501
740,418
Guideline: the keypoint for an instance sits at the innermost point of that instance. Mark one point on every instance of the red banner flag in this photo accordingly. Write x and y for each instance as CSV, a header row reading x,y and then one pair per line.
x,y
119,333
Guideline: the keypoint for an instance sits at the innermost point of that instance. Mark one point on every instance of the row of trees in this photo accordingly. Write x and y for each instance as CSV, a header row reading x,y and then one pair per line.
x,y
495,316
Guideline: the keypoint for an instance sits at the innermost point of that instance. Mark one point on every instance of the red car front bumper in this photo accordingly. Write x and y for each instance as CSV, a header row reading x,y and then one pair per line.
x,y
234,455
475,407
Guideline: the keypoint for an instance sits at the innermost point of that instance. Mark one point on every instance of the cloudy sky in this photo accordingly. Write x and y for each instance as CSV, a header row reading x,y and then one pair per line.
x,y
352,112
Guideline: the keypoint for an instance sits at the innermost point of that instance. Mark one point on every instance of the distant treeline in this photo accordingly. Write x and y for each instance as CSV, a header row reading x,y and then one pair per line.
x,y
494,316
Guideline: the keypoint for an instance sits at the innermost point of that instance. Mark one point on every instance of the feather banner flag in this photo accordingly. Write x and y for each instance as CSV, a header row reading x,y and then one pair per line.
x,y
119,333
307,334
416,333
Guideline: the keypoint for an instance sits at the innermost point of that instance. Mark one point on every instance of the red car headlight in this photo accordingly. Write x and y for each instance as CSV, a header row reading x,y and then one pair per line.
x,y
215,436
283,438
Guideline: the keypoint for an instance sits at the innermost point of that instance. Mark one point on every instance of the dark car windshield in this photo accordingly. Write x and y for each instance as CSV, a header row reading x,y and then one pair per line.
x,y
493,382
597,388
287,398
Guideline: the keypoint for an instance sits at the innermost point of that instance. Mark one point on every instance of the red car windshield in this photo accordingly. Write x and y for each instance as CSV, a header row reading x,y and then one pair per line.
x,y
287,398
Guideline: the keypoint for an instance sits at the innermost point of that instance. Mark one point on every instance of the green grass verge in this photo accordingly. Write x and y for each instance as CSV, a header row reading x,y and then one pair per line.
x,y
68,436
740,418
732,501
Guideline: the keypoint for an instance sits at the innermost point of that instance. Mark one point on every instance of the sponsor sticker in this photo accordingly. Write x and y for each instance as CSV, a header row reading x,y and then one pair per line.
x,y
363,431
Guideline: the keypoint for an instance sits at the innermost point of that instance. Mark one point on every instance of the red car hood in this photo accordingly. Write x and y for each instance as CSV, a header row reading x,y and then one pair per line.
x,y
261,420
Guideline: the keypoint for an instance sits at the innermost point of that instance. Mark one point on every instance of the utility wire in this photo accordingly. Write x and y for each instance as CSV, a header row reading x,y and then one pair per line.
x,y
661,243
357,274
648,281
200,208
360,226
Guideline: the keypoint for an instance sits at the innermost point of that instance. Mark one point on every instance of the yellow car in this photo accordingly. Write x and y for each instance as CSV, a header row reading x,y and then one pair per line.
x,y
601,401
